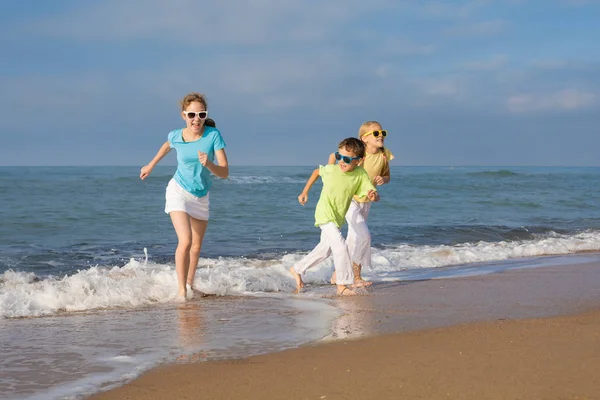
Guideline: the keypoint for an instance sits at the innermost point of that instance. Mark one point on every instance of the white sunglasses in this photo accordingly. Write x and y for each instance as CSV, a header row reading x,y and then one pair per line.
x,y
193,114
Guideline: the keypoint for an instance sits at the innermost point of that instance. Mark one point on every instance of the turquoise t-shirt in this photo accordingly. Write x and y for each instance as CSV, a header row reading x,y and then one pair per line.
x,y
338,189
190,174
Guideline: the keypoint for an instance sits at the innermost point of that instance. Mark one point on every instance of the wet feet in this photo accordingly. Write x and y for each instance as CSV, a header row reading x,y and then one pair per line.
x,y
361,283
344,291
298,279
195,291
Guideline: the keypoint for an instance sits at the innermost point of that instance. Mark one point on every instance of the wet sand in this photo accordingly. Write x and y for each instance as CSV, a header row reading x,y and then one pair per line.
x,y
520,334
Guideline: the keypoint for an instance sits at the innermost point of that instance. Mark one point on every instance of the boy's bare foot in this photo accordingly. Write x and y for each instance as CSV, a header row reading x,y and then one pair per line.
x,y
298,279
342,290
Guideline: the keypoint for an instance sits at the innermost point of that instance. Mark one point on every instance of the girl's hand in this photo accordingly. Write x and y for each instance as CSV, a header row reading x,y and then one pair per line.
x,y
373,195
203,158
145,172
378,180
303,198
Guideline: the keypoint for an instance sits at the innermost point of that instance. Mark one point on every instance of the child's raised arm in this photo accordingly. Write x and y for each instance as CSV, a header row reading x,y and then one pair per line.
x,y
147,169
331,159
303,198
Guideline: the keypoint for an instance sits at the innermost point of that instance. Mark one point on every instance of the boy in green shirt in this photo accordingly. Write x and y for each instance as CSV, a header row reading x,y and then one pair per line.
x,y
341,182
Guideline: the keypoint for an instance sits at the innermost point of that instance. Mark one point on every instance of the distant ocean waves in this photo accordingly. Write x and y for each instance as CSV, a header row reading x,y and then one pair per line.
x,y
141,282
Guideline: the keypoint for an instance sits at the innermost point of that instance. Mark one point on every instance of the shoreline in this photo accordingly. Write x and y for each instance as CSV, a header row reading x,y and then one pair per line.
x,y
521,333
486,360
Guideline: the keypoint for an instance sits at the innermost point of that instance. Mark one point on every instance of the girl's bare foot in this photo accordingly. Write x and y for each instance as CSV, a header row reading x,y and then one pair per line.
x,y
195,291
361,283
333,278
342,290
298,279
181,295
358,280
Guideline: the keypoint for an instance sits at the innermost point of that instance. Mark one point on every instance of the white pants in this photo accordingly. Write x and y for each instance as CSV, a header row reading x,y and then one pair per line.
x,y
359,237
332,242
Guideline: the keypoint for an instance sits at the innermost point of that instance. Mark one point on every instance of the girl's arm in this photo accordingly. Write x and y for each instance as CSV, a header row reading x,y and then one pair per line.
x,y
303,198
331,159
147,169
384,177
221,169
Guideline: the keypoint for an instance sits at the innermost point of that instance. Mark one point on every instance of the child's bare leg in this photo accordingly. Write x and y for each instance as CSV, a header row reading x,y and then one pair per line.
x,y
181,223
298,279
198,229
343,290
333,278
358,280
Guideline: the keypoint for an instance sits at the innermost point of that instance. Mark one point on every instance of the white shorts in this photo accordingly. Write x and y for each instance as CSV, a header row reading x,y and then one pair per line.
x,y
179,199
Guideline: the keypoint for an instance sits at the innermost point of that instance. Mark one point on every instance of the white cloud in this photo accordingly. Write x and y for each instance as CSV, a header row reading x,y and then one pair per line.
x,y
484,28
233,22
493,63
550,64
403,46
566,100
565,64
453,87
452,9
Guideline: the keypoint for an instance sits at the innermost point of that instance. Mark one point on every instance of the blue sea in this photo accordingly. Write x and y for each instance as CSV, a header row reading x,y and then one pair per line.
x,y
87,275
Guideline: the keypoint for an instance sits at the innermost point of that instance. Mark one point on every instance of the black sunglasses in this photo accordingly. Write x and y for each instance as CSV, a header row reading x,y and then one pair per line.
x,y
376,133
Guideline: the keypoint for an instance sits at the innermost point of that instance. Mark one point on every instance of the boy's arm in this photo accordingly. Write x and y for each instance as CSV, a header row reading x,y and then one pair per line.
x,y
303,198
367,188
373,195
331,159
147,169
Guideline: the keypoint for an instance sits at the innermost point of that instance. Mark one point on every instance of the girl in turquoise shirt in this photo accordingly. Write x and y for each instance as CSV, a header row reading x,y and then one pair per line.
x,y
187,194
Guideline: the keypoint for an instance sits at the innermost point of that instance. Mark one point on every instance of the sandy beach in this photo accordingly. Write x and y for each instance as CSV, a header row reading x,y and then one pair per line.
x,y
531,333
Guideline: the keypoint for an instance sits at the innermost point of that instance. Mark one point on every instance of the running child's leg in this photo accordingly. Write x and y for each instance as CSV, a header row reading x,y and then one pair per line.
x,y
366,254
316,256
341,258
351,238
198,228
359,239
181,223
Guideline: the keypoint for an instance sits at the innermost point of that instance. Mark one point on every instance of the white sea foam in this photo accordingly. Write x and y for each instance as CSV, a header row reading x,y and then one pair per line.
x,y
395,258
140,283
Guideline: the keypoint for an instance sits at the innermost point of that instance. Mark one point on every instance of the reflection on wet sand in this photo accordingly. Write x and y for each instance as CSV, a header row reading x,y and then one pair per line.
x,y
357,319
191,332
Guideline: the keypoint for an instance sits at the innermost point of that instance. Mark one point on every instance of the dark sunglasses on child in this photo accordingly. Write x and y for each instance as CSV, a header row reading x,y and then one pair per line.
x,y
377,133
345,159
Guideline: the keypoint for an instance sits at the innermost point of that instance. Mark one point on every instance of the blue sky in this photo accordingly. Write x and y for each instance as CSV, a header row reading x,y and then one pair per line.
x,y
476,82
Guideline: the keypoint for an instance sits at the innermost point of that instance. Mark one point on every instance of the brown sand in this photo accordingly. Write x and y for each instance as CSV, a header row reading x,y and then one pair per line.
x,y
535,358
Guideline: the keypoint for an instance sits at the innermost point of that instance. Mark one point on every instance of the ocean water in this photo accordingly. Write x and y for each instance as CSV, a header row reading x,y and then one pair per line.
x,y
87,279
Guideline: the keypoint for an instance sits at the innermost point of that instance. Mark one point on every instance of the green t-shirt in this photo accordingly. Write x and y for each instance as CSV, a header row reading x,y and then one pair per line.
x,y
338,189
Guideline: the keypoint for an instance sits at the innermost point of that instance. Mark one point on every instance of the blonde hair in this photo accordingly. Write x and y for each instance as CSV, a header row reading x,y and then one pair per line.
x,y
366,127
192,97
